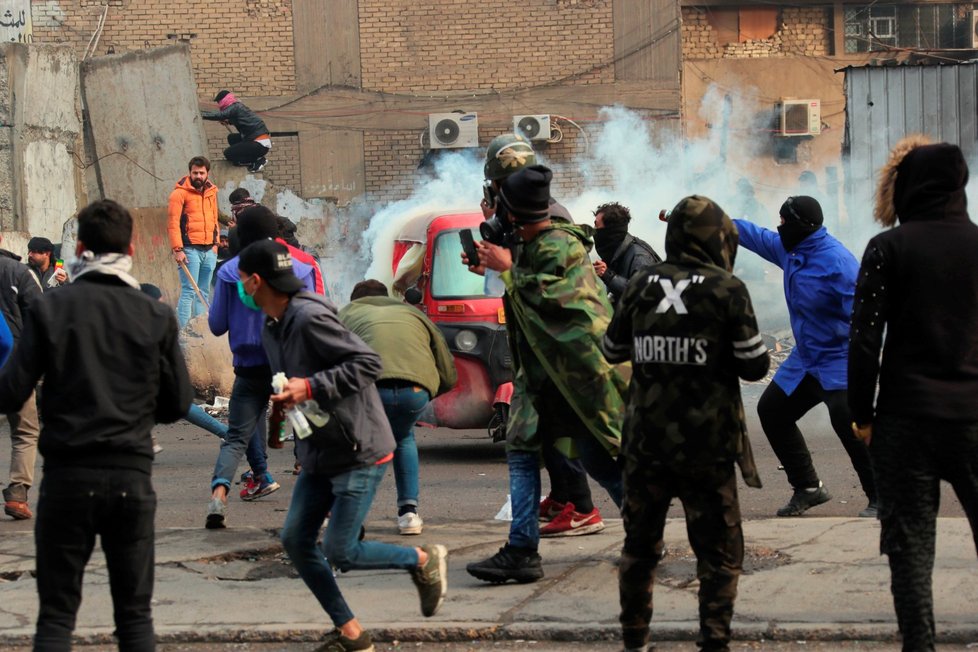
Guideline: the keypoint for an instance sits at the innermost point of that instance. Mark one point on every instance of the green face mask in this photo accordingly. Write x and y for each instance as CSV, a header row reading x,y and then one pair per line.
x,y
247,299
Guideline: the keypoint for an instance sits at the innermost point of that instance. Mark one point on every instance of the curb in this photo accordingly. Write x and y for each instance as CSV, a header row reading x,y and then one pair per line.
x,y
581,633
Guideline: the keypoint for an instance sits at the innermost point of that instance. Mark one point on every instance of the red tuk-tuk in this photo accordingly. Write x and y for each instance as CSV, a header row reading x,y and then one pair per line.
x,y
428,271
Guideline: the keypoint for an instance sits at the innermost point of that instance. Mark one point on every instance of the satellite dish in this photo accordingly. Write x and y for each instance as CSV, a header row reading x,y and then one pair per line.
x,y
529,127
446,131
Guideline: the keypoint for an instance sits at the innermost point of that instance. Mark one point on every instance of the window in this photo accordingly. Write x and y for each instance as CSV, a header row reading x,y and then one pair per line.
x,y
928,27
745,23
449,277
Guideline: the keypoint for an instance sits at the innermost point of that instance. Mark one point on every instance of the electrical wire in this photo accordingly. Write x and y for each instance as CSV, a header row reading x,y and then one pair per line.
x,y
587,142
82,165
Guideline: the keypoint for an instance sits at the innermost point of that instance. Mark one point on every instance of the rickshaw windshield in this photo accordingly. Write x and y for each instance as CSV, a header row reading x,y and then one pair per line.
x,y
449,277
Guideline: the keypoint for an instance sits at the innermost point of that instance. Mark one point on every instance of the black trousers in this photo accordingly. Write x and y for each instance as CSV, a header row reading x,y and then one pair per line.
x,y
568,479
74,505
779,414
911,457
243,152
709,498
558,419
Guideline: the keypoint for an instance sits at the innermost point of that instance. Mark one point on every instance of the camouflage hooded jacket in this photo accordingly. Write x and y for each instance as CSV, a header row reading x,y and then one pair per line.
x,y
689,329
558,312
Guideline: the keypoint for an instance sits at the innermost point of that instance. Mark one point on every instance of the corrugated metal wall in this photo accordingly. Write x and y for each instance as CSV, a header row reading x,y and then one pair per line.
x,y
886,103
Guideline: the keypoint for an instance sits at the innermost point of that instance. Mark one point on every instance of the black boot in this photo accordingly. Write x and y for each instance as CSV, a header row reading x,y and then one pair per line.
x,y
510,563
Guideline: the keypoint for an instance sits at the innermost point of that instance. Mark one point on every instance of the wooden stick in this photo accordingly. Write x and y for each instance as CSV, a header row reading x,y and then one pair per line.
x,y
183,266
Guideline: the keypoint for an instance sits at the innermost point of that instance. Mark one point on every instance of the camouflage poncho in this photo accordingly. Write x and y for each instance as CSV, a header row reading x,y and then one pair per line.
x,y
558,314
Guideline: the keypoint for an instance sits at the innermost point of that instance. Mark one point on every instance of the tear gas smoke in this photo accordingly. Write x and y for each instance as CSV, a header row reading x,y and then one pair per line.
x,y
646,166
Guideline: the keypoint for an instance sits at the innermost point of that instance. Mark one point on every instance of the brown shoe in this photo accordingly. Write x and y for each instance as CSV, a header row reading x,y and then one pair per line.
x,y
18,510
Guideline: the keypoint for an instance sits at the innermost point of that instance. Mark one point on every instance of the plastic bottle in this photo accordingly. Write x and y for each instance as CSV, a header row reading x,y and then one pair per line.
x,y
300,425
314,413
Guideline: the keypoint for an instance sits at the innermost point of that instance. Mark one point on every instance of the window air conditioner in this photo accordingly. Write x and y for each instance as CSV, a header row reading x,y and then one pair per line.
x,y
453,130
534,127
799,118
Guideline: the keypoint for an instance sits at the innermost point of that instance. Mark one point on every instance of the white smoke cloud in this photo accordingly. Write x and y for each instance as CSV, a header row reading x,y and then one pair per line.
x,y
647,166
454,186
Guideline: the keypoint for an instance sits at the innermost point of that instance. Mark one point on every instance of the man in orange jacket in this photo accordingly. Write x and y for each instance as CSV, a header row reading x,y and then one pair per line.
x,y
192,227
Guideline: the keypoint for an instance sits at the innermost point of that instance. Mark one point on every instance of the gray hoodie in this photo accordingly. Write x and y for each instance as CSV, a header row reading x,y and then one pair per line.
x,y
310,342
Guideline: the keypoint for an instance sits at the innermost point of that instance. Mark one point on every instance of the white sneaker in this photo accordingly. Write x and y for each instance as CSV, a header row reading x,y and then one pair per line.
x,y
216,514
409,523
157,449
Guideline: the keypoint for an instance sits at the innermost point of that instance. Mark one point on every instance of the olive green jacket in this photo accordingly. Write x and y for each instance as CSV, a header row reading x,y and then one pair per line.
x,y
410,346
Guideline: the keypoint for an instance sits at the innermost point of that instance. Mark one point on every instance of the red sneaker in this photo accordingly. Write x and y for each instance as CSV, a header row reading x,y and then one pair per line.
x,y
570,523
549,508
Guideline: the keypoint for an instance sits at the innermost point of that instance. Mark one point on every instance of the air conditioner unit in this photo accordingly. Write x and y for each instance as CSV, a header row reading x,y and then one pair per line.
x,y
534,127
974,28
453,130
799,118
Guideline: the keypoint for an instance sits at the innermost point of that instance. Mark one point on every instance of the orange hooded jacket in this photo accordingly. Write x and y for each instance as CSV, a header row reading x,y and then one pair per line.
x,y
192,215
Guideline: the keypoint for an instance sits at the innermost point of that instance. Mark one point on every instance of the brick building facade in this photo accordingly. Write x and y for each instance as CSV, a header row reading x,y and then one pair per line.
x,y
438,48
240,44
790,31
399,61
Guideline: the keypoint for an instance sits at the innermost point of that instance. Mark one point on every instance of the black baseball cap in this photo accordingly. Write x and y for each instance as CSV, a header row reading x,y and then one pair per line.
x,y
272,262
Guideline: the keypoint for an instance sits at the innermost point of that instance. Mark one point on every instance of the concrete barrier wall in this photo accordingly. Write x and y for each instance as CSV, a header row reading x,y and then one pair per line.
x,y
40,176
144,122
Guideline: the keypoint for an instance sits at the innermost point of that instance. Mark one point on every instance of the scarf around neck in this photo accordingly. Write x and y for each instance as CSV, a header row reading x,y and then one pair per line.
x,y
117,265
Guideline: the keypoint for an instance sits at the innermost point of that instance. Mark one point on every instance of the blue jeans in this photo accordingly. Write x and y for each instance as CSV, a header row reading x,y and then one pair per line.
x,y
246,430
524,497
200,264
524,486
346,498
403,405
199,418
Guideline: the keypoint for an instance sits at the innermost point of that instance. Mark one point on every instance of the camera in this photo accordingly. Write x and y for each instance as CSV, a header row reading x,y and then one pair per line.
x,y
497,229
489,194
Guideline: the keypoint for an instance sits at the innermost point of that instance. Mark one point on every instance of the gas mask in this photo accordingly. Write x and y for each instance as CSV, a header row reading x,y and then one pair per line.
x,y
498,229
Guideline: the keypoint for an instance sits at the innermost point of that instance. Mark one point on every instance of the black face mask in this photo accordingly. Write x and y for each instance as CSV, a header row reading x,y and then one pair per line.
x,y
608,238
792,233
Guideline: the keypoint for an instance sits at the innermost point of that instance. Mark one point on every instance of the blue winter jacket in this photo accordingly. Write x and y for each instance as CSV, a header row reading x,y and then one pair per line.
x,y
243,325
819,284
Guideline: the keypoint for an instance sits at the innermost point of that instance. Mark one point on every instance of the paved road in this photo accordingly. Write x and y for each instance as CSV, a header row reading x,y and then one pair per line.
x,y
464,477
531,646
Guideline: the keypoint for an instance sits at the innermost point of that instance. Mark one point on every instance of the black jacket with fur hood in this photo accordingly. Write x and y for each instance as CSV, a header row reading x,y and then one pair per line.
x,y
919,281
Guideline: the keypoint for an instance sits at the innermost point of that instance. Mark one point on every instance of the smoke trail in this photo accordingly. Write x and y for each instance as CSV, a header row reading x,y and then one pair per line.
x,y
454,186
647,166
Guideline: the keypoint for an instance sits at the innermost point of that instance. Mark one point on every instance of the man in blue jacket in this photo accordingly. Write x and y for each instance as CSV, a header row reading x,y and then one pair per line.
x,y
819,283
233,312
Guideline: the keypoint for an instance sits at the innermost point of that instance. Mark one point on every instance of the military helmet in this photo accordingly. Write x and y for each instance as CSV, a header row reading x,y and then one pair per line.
x,y
507,154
